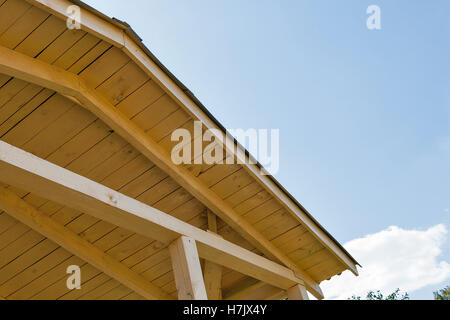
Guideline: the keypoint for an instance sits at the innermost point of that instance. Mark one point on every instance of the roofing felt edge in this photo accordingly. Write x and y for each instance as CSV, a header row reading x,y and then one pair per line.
x,y
139,41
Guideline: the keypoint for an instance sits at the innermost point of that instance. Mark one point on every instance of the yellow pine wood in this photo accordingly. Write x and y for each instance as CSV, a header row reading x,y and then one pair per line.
x,y
187,269
72,242
22,27
45,280
116,36
17,166
68,86
34,271
212,271
10,11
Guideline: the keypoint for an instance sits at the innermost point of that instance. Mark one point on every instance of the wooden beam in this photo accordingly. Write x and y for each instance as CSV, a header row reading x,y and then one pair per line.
x,y
297,292
212,221
280,295
42,223
213,280
116,35
187,270
213,271
23,67
28,172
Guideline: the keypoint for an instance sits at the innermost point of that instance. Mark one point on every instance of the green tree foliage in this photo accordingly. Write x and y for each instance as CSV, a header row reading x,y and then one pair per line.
x,y
443,294
377,295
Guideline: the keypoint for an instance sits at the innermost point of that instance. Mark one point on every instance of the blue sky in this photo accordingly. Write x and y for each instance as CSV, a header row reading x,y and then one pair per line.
x,y
364,116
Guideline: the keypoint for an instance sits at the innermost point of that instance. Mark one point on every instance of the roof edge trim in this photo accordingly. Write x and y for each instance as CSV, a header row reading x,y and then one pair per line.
x,y
118,37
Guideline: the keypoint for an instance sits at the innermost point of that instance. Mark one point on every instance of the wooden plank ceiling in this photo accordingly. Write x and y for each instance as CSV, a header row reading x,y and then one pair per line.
x,y
55,128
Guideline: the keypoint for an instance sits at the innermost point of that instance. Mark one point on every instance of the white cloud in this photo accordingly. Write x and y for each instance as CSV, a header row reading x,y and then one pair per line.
x,y
393,258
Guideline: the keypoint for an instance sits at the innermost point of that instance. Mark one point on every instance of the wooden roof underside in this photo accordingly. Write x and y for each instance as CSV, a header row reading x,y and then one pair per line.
x,y
53,127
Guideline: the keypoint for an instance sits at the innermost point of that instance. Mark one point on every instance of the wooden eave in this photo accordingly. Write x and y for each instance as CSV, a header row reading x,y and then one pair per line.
x,y
94,104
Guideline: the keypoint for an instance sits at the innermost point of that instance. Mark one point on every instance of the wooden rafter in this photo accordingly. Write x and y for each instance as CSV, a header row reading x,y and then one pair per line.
x,y
251,289
42,223
116,35
28,172
37,72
